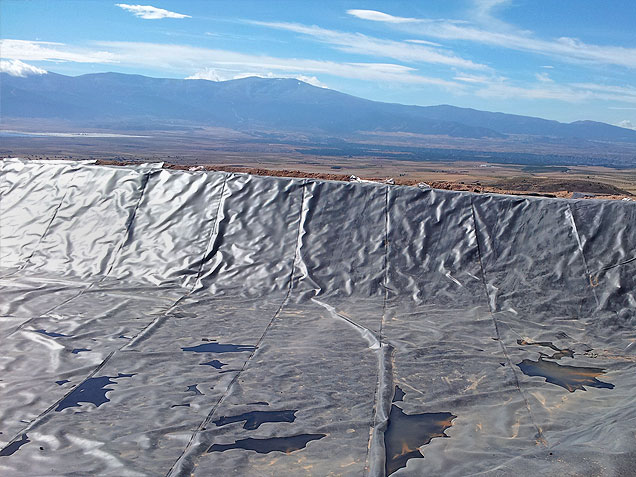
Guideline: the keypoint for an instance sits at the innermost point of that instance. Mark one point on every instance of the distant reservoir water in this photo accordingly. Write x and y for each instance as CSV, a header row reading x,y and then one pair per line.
x,y
10,133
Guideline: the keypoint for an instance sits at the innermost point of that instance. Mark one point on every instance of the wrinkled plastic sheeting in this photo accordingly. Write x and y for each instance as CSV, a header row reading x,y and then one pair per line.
x,y
162,322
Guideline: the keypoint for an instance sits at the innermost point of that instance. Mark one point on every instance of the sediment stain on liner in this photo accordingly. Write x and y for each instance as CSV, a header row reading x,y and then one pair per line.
x,y
272,444
568,377
14,446
405,434
92,390
254,419
218,348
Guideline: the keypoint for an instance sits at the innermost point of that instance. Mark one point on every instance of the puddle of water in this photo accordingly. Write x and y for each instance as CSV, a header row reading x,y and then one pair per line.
x,y
193,388
272,444
258,403
254,419
92,390
405,434
560,353
398,394
568,377
52,334
14,446
180,405
62,381
215,363
79,350
219,348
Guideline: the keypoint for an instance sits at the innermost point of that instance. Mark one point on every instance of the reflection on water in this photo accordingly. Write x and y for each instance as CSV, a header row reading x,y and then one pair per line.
x,y
193,389
405,434
215,363
398,394
92,390
272,444
254,419
14,446
213,347
568,377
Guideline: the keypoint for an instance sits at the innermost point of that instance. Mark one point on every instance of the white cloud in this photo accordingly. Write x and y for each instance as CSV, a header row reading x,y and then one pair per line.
x,y
503,35
567,49
148,12
18,68
478,79
627,124
544,77
212,74
423,42
572,92
375,16
367,45
50,51
521,92
604,88
482,12
500,87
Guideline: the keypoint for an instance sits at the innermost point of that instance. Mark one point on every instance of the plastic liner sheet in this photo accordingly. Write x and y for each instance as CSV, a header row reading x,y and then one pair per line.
x,y
157,322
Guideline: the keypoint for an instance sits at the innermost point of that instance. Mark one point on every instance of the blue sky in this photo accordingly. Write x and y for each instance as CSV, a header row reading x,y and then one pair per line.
x,y
564,60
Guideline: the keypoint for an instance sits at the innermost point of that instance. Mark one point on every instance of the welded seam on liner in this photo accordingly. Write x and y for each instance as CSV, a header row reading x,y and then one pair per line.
x,y
495,229
213,232
368,334
383,371
210,415
575,229
540,435
386,260
131,219
615,265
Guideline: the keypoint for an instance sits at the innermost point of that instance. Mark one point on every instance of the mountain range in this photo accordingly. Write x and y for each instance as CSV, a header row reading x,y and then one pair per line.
x,y
264,104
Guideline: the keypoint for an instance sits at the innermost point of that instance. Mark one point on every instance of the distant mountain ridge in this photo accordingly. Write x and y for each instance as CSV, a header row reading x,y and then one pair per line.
x,y
264,104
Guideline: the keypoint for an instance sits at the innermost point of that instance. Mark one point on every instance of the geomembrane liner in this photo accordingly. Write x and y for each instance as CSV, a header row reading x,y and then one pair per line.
x,y
157,322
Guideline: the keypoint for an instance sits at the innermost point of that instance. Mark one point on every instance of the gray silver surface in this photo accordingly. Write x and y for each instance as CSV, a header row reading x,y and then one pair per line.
x,y
122,289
